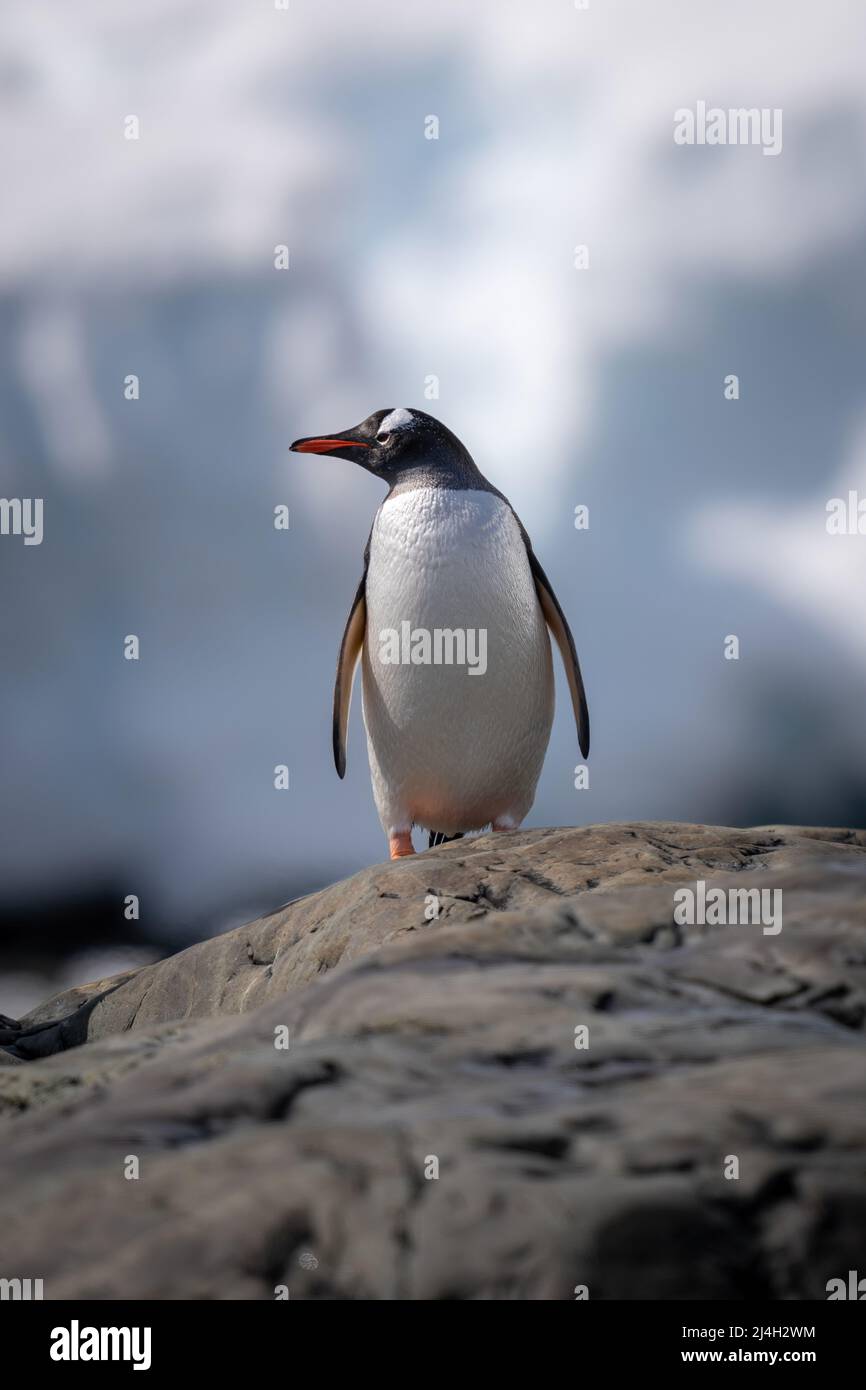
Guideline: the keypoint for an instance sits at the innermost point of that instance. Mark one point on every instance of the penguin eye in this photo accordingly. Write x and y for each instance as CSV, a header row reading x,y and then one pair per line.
x,y
383,437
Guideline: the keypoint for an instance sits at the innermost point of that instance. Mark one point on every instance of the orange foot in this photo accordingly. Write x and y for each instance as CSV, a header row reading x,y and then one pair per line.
x,y
400,844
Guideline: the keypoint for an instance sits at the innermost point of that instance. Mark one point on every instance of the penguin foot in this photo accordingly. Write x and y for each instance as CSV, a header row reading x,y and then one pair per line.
x,y
504,823
400,844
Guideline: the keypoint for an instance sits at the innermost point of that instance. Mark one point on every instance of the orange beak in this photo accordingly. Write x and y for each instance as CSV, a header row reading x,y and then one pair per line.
x,y
324,446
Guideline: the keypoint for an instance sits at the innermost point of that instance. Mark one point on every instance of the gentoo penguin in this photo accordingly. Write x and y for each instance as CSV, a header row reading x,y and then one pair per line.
x,y
450,623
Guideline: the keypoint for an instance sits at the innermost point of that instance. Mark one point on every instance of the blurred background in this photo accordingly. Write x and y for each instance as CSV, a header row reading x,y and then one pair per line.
x,y
415,265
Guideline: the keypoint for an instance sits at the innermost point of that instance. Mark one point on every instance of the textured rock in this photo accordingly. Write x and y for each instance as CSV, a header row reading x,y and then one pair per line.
x,y
455,1039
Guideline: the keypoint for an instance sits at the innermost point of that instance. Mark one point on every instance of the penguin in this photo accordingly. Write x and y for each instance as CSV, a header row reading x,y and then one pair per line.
x,y
450,623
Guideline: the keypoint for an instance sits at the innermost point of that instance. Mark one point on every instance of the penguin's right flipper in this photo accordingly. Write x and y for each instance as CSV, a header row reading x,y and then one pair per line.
x,y
558,624
350,650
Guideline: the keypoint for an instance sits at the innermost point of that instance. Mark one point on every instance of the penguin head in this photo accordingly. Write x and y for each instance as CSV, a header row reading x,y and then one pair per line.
x,y
391,443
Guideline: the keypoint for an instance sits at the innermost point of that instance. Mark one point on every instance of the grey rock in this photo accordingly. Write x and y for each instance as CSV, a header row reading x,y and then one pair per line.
x,y
416,1042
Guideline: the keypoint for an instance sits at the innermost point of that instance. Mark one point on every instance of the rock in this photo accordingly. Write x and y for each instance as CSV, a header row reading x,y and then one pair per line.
x,y
451,1043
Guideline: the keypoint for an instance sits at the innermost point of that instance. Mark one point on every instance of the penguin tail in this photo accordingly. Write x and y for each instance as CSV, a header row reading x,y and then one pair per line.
x,y
438,837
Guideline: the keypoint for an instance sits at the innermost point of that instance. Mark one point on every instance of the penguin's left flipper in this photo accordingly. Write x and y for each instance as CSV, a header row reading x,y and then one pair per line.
x,y
556,621
350,651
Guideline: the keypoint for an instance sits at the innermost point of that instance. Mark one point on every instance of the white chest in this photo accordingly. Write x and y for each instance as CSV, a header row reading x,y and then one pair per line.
x,y
447,557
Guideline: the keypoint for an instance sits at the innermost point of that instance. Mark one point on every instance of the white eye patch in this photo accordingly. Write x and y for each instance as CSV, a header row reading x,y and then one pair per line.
x,y
399,419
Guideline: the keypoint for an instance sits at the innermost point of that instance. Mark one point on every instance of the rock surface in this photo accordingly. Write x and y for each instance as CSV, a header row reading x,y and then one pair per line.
x,y
452,1041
